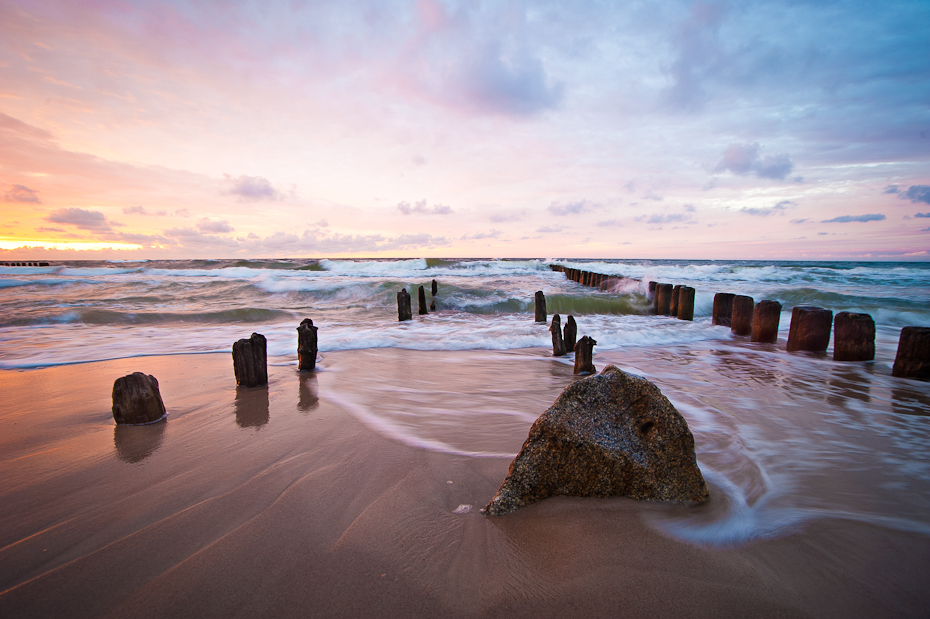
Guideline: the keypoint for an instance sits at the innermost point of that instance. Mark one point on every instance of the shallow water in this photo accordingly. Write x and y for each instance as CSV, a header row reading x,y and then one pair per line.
x,y
782,438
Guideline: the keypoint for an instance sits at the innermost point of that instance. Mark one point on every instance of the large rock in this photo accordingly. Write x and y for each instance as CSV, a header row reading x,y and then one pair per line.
x,y
137,400
613,434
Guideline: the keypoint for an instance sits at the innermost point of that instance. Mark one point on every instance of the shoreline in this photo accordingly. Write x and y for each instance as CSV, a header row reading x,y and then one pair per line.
x,y
278,501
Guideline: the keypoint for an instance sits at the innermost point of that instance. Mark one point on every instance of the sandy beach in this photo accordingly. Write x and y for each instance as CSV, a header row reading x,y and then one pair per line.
x,y
284,501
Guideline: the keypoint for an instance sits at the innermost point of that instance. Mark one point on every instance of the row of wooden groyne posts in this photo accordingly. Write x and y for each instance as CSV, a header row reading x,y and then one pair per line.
x,y
853,333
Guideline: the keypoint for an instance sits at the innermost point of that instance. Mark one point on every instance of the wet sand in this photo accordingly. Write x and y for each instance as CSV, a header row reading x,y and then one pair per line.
x,y
301,499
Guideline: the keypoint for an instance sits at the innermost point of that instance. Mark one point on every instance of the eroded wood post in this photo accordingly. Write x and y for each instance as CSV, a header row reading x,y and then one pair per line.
x,y
663,299
686,303
810,329
673,301
403,306
765,319
723,309
540,306
558,347
306,346
853,337
741,319
913,358
250,361
136,399
584,353
421,301
570,333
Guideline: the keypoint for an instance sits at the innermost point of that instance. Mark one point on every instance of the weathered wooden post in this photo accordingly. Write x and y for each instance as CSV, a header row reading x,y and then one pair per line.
x,y
403,306
306,346
570,334
434,287
250,361
913,358
741,319
584,352
853,337
765,319
558,347
652,290
723,309
663,299
540,306
421,301
685,303
673,302
136,399
810,329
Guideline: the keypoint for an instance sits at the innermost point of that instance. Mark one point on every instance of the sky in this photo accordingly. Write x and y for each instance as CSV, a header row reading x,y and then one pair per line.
x,y
392,128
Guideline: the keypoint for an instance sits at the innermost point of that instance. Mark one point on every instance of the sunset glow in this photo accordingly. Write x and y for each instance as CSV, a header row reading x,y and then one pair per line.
x,y
667,129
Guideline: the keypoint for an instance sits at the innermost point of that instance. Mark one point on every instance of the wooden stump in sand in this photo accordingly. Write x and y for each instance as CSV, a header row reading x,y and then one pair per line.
x,y
540,306
250,361
686,303
136,399
810,329
741,318
584,352
403,306
853,337
306,346
723,309
421,301
558,347
570,333
913,358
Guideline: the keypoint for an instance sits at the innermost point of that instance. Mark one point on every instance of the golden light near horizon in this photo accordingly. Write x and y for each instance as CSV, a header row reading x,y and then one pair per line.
x,y
72,245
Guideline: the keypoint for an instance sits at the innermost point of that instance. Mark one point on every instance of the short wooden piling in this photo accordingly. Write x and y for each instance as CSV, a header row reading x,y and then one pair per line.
x,y
663,299
686,303
306,346
540,306
250,361
723,309
853,337
810,329
403,306
584,353
570,333
652,290
913,358
421,301
741,318
673,302
765,319
434,287
558,346
137,400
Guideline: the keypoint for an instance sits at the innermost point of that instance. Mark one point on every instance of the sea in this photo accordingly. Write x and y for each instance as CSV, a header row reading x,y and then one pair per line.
x,y
783,438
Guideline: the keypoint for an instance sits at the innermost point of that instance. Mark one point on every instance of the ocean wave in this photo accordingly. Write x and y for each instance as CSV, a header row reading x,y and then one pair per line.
x,y
113,317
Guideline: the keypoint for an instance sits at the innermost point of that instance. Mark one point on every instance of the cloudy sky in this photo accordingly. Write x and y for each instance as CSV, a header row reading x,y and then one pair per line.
x,y
640,129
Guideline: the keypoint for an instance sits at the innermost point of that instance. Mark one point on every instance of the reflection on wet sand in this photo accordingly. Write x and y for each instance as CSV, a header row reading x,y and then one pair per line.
x,y
136,443
911,399
849,382
309,394
742,365
252,407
